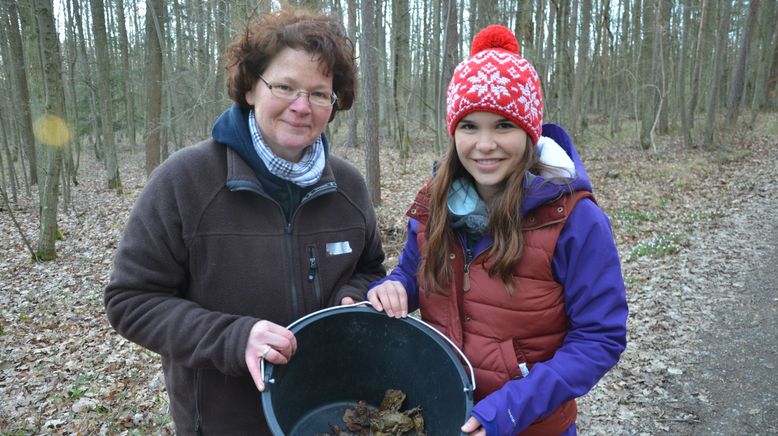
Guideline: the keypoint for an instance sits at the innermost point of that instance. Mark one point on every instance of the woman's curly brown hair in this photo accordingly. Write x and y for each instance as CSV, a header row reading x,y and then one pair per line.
x,y
249,54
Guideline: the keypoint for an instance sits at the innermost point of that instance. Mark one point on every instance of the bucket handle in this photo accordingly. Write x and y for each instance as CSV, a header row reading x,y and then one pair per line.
x,y
367,303
453,345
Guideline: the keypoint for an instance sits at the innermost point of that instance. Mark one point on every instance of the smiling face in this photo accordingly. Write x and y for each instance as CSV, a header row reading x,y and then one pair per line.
x,y
288,127
490,147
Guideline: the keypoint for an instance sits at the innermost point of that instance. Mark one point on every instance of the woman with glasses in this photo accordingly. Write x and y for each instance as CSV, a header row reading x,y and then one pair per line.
x,y
237,236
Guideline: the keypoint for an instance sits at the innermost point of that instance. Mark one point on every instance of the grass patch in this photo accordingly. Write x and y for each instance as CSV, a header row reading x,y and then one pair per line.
x,y
660,245
635,216
766,123
80,388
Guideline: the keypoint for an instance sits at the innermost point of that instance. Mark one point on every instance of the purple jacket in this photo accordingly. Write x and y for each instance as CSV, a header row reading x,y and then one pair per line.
x,y
586,263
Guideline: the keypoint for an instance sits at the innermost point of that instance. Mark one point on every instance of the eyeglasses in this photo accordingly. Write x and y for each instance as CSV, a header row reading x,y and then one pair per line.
x,y
286,92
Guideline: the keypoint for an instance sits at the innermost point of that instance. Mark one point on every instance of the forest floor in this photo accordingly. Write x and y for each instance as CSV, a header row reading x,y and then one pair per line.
x,y
697,232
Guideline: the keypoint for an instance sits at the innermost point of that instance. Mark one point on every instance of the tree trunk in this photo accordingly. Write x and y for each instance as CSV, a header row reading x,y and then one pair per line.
x,y
768,32
222,35
772,85
52,129
104,87
353,117
72,153
664,49
19,76
697,63
369,88
129,99
681,80
87,73
648,91
400,52
450,58
721,47
579,81
738,79
6,156
436,73
155,33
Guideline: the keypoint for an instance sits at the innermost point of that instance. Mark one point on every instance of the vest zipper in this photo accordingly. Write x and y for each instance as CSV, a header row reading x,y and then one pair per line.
x,y
468,260
466,285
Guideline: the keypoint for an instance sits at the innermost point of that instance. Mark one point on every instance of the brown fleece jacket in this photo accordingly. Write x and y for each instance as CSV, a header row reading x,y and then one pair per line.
x,y
206,253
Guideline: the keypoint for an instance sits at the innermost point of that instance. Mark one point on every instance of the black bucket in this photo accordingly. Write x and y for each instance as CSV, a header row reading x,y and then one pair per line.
x,y
346,354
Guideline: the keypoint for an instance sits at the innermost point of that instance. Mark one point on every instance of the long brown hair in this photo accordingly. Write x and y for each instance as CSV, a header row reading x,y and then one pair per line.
x,y
435,272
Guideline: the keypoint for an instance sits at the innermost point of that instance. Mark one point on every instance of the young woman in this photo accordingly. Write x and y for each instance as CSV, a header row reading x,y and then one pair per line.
x,y
508,253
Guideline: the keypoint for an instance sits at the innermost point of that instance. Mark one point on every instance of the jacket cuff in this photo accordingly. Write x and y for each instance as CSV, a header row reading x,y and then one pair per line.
x,y
243,332
488,424
348,291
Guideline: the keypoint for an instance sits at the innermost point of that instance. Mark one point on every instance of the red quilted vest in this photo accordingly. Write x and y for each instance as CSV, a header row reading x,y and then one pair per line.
x,y
500,333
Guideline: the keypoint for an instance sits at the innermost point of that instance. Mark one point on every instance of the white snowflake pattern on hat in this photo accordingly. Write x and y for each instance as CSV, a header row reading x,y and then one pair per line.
x,y
496,78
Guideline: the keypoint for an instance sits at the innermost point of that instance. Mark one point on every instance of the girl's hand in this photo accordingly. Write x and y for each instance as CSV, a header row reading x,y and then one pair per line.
x,y
391,297
271,342
473,427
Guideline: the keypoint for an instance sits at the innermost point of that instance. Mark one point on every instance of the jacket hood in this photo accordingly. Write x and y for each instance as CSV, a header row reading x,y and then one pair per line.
x,y
540,190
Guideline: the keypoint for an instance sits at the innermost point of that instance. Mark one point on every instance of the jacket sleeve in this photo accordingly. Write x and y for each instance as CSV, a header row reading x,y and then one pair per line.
x,y
145,298
586,263
405,271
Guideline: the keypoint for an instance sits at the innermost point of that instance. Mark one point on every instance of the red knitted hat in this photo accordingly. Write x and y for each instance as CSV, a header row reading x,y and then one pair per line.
x,y
496,78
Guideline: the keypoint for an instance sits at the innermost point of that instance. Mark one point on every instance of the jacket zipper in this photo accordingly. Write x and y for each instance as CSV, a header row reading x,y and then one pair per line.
x,y
289,231
314,193
312,268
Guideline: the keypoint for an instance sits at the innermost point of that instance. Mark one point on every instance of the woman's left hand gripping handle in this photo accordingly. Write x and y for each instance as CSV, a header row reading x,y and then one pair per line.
x,y
271,342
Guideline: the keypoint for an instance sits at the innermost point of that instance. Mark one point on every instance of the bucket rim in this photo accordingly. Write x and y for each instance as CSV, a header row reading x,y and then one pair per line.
x,y
468,383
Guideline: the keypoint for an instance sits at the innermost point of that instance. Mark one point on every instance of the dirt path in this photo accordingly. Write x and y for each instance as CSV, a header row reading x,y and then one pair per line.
x,y
732,386
704,321
740,354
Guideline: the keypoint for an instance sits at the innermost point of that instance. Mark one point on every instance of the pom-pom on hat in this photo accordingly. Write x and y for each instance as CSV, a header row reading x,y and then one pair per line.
x,y
497,79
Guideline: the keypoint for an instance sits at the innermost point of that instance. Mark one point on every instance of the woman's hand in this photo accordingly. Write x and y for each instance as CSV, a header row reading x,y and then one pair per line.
x,y
473,427
390,296
271,342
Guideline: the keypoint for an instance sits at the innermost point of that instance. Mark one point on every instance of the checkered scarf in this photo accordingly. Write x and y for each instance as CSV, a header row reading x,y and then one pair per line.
x,y
304,173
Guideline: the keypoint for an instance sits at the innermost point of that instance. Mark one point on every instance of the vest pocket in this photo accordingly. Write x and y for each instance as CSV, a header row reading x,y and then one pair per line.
x,y
511,360
521,359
